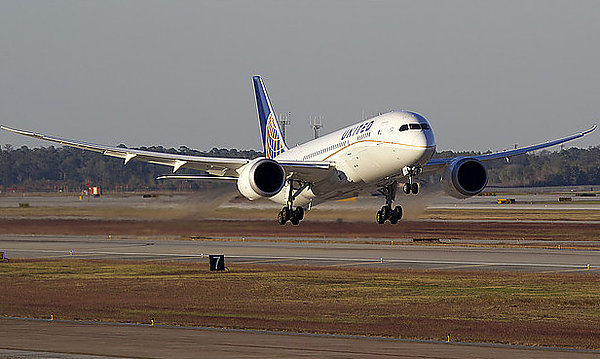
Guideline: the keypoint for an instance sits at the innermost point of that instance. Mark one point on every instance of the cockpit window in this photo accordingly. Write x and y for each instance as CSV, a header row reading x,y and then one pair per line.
x,y
404,127
415,126
425,126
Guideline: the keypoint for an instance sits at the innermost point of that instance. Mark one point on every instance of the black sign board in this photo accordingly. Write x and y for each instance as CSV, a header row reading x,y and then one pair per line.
x,y
217,262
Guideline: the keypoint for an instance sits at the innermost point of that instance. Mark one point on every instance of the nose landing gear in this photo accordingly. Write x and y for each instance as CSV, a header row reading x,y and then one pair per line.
x,y
387,212
411,186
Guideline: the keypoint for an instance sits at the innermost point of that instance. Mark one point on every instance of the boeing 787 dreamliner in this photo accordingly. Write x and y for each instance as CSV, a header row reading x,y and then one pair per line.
x,y
383,154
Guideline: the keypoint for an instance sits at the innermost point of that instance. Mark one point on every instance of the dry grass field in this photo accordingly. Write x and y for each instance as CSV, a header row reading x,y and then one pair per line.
x,y
206,228
549,309
507,213
501,307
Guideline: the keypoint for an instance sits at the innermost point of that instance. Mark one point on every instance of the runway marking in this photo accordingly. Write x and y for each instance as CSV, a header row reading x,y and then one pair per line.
x,y
355,264
463,266
322,259
263,261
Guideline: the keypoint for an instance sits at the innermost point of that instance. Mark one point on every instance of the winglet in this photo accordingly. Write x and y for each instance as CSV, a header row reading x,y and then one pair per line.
x,y
20,132
592,129
273,142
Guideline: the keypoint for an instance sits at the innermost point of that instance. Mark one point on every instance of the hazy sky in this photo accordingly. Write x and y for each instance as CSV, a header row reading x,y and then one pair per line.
x,y
485,74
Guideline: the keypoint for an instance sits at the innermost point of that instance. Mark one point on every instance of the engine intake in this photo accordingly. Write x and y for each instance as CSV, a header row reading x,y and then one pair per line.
x,y
261,178
465,177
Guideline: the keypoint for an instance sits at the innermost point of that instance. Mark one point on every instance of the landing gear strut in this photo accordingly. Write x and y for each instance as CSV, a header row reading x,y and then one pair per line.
x,y
288,213
387,212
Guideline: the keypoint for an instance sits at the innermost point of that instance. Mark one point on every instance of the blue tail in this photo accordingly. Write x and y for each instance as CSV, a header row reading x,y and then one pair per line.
x,y
273,142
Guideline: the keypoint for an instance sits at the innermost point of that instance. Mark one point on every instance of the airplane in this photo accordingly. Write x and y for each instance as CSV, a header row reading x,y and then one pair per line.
x,y
376,154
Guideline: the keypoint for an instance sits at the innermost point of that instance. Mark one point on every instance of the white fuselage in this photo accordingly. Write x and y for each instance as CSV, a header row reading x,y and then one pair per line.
x,y
363,155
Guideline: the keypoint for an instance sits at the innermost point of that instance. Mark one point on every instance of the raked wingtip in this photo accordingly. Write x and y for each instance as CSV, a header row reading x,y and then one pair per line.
x,y
592,129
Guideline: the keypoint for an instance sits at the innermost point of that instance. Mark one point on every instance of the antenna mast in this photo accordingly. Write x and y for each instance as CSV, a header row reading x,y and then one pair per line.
x,y
284,119
316,123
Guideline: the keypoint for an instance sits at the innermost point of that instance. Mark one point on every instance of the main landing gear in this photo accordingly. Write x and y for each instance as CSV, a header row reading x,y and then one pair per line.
x,y
292,215
288,213
387,212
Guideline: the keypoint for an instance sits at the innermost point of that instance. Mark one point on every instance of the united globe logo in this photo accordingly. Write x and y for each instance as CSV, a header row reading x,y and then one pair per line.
x,y
274,144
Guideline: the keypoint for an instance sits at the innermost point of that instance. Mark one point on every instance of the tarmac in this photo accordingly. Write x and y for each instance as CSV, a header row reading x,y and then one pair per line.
x,y
67,339
249,250
27,338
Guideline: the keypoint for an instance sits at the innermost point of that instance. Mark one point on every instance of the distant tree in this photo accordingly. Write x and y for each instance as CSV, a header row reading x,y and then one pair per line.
x,y
48,168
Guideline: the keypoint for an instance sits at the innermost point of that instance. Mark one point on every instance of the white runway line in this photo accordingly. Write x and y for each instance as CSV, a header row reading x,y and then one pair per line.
x,y
322,259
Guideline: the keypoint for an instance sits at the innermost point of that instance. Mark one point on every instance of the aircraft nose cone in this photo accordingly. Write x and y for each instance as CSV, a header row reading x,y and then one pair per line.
x,y
424,142
423,139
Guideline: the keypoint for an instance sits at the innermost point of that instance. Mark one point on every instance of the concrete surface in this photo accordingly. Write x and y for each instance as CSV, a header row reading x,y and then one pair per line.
x,y
45,339
331,253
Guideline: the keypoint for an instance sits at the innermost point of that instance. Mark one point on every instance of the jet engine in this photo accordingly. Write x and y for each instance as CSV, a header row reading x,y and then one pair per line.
x,y
464,177
261,178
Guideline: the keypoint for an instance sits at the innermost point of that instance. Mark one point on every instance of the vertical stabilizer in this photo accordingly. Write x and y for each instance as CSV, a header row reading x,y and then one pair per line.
x,y
273,142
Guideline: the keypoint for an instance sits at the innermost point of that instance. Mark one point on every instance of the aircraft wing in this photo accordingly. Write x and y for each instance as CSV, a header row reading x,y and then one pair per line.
x,y
438,163
214,165
217,167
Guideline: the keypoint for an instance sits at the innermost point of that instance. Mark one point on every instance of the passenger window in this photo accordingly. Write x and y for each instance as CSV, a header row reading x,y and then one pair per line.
x,y
415,126
403,128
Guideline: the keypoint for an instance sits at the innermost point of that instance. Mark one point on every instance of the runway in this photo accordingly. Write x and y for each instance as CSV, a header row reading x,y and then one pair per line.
x,y
68,340
306,253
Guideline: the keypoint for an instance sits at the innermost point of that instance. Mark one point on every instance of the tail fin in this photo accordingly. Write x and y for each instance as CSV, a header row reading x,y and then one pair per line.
x,y
273,142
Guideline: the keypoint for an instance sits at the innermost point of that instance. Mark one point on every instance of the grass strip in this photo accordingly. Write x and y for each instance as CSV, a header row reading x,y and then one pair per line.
x,y
548,309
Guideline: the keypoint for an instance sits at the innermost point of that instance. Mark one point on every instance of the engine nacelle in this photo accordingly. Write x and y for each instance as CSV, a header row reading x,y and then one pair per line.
x,y
261,178
465,177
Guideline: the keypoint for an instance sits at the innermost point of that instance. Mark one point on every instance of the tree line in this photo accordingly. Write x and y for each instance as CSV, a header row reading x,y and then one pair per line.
x,y
70,169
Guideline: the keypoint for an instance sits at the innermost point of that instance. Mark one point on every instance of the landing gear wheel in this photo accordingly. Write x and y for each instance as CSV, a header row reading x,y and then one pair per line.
x,y
380,217
386,211
299,212
398,212
396,215
287,214
280,218
283,216
415,188
297,215
406,188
